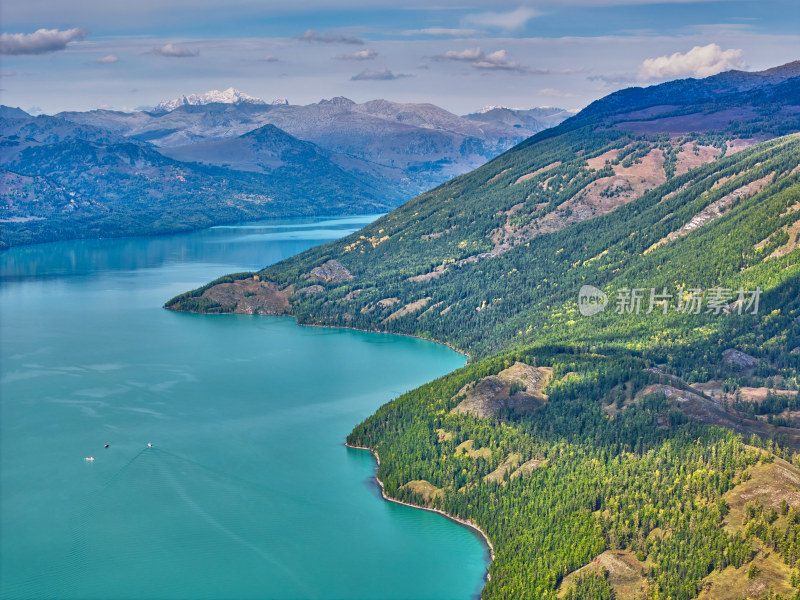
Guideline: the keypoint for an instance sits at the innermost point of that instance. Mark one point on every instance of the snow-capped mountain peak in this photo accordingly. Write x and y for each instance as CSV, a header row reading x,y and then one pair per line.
x,y
490,108
229,96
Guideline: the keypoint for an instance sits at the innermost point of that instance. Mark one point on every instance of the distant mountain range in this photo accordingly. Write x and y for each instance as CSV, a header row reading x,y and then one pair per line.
x,y
222,156
423,144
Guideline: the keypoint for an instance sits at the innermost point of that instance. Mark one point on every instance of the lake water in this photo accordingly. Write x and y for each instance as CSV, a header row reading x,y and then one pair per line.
x,y
247,490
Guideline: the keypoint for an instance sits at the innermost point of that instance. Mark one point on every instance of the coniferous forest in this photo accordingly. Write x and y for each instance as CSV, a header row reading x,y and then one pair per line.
x,y
648,450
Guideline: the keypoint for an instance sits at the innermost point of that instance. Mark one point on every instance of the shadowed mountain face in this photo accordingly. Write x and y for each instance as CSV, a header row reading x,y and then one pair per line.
x,y
225,156
62,180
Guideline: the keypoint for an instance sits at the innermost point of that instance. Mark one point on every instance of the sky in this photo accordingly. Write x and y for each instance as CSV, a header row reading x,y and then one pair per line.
x,y
459,54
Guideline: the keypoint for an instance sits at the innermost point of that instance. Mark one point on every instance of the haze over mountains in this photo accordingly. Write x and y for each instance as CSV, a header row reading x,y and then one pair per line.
x,y
424,143
221,156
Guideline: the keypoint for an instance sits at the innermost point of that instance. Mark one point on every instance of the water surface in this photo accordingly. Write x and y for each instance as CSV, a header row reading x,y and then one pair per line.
x,y
246,490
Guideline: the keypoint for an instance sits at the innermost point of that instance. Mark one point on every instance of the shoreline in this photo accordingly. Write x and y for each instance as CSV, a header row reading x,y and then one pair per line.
x,y
411,335
464,522
291,316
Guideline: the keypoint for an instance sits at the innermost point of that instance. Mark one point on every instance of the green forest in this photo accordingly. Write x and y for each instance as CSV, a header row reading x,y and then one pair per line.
x,y
656,430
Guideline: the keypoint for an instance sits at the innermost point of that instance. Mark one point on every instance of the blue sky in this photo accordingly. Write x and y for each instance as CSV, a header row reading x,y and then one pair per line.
x,y
459,54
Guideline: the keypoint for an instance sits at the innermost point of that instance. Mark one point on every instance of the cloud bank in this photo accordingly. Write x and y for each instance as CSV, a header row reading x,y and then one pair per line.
x,y
107,60
441,31
367,54
378,75
329,38
40,41
700,61
515,19
174,51
495,61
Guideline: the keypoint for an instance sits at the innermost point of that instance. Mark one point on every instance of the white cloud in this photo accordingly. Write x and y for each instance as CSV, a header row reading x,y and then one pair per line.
x,y
470,54
700,61
366,54
499,61
174,51
40,41
329,38
515,19
269,58
496,61
107,60
378,75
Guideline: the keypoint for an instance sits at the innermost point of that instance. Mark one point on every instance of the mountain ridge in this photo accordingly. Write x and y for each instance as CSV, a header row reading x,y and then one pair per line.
x,y
228,96
609,453
63,180
426,142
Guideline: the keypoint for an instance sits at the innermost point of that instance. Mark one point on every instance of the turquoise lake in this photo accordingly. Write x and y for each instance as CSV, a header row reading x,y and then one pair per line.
x,y
247,490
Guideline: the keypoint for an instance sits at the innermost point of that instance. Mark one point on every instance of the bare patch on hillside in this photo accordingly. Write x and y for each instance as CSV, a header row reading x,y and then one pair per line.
x,y
425,489
598,198
693,155
518,387
498,176
624,574
714,211
527,468
444,436
734,584
716,411
714,388
537,172
510,463
331,270
251,297
311,290
769,484
438,271
386,302
794,241
407,309
598,162
468,448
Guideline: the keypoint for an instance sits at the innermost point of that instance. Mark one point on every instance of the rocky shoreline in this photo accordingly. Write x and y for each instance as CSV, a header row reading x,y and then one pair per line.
x,y
466,523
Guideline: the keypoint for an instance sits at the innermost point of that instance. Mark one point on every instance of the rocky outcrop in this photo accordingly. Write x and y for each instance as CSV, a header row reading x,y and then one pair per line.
x,y
739,360
331,270
311,290
251,297
518,388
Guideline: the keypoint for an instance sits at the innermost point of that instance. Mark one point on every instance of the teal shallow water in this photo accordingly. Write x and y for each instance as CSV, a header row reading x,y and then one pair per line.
x,y
247,490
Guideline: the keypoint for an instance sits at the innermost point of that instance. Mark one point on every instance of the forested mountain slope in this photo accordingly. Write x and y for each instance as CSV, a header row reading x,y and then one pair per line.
x,y
635,439
61,180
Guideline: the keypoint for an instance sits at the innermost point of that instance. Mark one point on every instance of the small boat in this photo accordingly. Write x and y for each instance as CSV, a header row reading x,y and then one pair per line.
x,y
89,458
